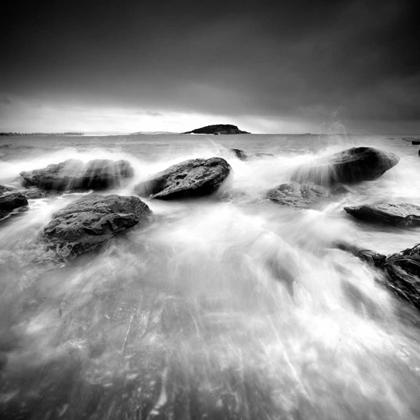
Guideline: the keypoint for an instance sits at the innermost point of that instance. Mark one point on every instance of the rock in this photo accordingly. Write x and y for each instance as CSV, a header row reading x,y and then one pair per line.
x,y
349,166
297,195
89,222
35,192
191,178
415,142
217,129
10,201
73,174
4,189
403,274
367,255
242,155
404,214
402,270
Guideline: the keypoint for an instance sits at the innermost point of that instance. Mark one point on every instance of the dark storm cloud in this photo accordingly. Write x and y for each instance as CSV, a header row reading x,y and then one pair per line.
x,y
285,59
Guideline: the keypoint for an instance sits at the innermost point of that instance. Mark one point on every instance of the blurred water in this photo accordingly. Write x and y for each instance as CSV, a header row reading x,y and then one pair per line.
x,y
229,307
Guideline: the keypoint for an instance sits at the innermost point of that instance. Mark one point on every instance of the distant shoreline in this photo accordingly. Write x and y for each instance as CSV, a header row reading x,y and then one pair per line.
x,y
41,134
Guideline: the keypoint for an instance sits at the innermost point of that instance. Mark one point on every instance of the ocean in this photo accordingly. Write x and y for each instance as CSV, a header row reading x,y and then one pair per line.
x,y
225,307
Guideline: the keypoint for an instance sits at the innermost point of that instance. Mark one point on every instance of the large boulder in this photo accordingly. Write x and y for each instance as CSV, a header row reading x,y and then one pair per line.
x,y
348,167
403,214
191,178
11,200
90,221
217,129
73,174
297,195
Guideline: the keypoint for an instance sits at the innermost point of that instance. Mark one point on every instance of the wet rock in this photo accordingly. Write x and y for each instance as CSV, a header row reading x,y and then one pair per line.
x,y
242,155
10,201
297,195
402,270
371,257
218,129
4,189
35,192
191,178
349,166
403,274
74,174
89,222
404,214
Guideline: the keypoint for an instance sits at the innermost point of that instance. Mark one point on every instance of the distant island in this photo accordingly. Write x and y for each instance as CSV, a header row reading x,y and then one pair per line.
x,y
217,129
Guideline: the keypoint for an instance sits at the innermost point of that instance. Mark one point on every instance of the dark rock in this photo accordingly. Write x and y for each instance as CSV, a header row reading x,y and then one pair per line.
x,y
10,201
218,129
297,195
89,222
35,192
349,166
404,214
73,174
4,189
242,155
402,270
415,142
191,178
367,255
403,274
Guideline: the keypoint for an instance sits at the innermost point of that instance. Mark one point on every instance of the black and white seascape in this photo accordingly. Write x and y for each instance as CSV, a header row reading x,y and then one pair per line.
x,y
209,210
228,305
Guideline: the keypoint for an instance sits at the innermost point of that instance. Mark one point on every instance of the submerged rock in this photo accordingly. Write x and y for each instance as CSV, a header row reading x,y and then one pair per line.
x,y
89,222
73,174
191,178
403,214
348,167
242,155
218,129
10,201
297,195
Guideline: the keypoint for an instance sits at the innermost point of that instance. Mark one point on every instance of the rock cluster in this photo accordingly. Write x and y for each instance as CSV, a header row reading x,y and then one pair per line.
x,y
91,221
349,166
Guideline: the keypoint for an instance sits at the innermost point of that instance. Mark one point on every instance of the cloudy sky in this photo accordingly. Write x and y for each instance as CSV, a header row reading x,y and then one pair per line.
x,y
267,66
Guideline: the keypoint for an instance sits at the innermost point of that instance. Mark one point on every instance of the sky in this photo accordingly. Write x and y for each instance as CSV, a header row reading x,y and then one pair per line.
x,y
266,66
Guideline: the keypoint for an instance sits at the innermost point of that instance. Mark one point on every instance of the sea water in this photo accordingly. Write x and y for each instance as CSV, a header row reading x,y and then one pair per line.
x,y
226,307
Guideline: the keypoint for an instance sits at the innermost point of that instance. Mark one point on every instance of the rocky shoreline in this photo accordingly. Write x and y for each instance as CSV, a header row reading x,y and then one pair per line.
x,y
88,223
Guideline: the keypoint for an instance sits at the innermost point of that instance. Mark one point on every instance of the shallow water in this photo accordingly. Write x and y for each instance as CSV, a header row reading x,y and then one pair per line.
x,y
228,307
